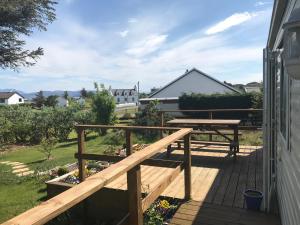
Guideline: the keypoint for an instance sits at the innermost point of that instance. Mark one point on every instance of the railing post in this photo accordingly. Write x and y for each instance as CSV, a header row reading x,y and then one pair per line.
x,y
161,115
134,187
187,167
81,162
128,142
210,117
135,196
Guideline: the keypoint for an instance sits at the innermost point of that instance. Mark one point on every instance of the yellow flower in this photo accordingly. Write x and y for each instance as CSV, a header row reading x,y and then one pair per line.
x,y
164,204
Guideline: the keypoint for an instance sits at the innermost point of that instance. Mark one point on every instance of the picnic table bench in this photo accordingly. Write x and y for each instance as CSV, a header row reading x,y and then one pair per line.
x,y
210,126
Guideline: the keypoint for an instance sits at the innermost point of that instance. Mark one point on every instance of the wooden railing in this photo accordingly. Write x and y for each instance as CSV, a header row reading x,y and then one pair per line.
x,y
130,165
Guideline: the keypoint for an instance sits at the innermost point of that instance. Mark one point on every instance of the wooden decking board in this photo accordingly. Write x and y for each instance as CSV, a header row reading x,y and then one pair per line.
x,y
242,181
216,178
233,182
251,170
220,194
199,213
259,170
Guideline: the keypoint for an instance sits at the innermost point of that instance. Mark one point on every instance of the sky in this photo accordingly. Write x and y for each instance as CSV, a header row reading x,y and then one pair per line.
x,y
121,42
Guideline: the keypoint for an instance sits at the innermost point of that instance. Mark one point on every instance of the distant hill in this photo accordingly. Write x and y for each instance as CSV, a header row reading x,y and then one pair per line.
x,y
31,95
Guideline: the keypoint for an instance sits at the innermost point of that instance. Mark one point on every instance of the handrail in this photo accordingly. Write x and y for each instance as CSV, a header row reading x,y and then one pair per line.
x,y
62,202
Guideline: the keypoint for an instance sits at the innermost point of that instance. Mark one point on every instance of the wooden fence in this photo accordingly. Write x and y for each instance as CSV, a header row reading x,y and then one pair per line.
x,y
130,165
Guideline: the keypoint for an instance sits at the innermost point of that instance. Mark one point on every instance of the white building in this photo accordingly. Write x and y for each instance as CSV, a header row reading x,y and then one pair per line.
x,y
62,102
11,98
193,81
282,112
125,96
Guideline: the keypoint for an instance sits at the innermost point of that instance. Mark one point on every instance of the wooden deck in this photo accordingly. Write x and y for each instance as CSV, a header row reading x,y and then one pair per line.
x,y
199,213
216,178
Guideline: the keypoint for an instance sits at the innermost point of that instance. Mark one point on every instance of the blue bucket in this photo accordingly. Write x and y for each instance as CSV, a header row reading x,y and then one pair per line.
x,y
253,199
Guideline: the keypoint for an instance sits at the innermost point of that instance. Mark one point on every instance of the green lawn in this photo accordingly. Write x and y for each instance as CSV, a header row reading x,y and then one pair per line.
x,y
19,194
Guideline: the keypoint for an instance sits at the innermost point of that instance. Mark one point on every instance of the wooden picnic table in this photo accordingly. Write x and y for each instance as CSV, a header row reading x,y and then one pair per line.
x,y
213,125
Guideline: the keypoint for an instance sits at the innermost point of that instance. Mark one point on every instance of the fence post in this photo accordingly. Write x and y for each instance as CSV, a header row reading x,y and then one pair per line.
x,y
187,167
128,142
81,162
161,115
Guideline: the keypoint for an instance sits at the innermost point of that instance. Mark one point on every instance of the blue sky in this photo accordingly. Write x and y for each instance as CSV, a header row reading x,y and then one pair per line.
x,y
121,42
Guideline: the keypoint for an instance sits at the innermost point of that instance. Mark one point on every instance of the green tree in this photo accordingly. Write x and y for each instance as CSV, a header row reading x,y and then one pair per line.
x,y
39,99
83,93
66,95
103,106
51,101
19,18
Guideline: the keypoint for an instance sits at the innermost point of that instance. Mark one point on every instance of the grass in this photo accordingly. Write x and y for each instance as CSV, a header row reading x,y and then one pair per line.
x,y
19,194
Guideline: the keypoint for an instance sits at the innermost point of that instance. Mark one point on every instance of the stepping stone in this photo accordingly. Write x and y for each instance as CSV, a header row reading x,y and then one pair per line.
x,y
19,167
25,173
5,162
15,163
20,170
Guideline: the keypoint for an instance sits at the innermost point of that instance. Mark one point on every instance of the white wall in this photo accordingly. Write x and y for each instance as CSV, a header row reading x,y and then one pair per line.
x,y
119,99
288,155
14,99
62,102
192,83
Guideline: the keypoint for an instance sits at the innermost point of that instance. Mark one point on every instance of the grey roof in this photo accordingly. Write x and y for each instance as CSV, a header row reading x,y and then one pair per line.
x,y
6,95
187,73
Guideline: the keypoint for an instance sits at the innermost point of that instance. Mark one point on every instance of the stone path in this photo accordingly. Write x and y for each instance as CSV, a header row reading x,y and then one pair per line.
x,y
20,169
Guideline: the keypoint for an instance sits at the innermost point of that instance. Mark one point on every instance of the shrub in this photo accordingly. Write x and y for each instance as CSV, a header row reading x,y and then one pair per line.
x,y
61,171
47,146
103,106
222,101
149,116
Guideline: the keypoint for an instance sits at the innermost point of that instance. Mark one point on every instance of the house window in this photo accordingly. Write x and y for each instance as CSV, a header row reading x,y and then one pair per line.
x,y
20,100
126,99
133,99
284,105
2,100
118,99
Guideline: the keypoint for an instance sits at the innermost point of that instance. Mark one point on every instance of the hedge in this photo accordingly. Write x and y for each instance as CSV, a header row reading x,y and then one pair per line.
x,y
223,101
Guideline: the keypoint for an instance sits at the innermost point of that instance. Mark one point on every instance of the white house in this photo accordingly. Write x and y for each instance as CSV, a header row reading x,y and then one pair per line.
x,y
124,96
282,112
11,98
62,102
193,81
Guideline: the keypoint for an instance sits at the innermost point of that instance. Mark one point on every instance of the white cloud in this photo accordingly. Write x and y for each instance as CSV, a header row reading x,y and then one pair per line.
x,y
233,20
124,33
149,45
260,3
132,20
77,55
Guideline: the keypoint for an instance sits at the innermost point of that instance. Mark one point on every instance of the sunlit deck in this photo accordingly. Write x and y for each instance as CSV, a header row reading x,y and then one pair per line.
x,y
216,177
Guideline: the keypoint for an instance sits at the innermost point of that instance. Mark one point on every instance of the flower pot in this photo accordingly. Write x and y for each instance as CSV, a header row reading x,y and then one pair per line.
x,y
253,199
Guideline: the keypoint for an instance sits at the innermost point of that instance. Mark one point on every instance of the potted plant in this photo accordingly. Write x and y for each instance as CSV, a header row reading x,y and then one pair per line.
x,y
253,199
